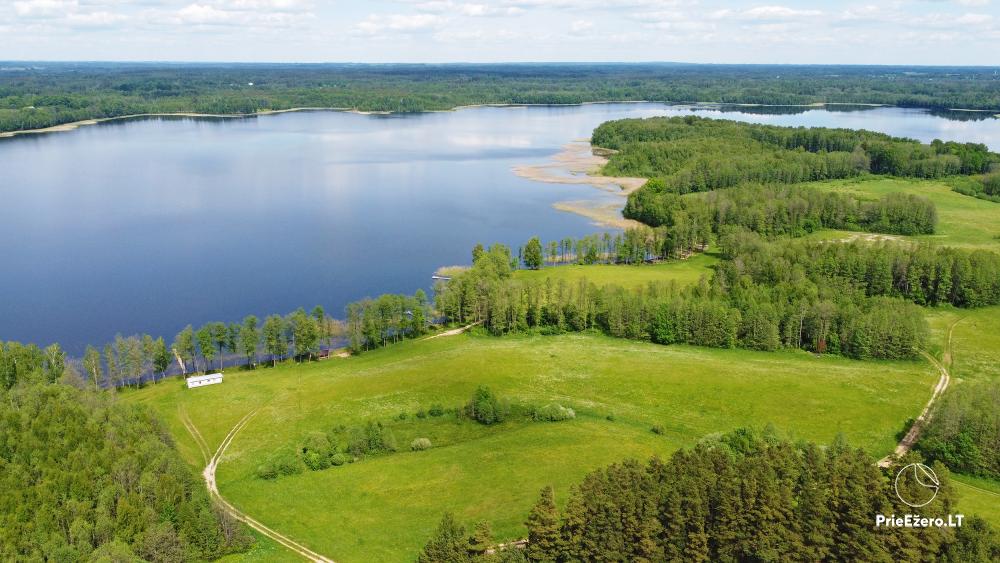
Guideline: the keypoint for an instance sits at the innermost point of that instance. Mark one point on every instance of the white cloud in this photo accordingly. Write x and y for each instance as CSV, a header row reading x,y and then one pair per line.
x,y
377,24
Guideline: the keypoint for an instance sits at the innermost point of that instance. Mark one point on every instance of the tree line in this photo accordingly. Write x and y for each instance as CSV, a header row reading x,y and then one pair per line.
x,y
743,496
86,478
35,97
825,315
924,274
694,154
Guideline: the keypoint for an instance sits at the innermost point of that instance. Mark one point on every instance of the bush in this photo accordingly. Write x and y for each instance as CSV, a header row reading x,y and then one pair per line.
x,y
372,439
610,417
280,464
420,444
421,414
657,429
554,412
316,451
402,416
485,408
436,410
338,459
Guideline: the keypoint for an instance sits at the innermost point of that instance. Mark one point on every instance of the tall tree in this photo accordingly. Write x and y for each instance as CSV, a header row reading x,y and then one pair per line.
x,y
92,365
274,338
250,339
184,347
533,258
206,344
543,529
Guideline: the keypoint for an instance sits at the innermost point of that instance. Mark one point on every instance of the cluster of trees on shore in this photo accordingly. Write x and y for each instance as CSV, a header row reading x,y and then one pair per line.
x,y
985,187
743,496
964,432
777,210
817,313
694,154
38,96
631,246
86,478
389,318
128,359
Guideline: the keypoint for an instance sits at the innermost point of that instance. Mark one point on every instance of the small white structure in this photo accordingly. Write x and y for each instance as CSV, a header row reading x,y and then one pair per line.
x,y
203,380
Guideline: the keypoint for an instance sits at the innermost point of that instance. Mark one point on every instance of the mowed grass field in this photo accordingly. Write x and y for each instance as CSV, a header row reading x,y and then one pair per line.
x,y
963,221
684,272
385,508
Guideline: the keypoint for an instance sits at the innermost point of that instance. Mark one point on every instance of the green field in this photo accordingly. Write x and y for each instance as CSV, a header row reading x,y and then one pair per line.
x,y
978,496
963,221
684,272
386,507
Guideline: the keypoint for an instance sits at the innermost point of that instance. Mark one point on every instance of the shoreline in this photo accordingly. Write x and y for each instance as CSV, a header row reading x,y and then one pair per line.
x,y
73,125
578,165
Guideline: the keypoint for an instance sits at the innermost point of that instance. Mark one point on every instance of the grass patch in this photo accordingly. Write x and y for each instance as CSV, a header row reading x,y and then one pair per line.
x,y
963,221
978,496
684,272
385,507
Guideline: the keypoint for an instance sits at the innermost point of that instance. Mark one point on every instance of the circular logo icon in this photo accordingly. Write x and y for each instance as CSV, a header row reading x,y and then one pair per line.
x,y
916,485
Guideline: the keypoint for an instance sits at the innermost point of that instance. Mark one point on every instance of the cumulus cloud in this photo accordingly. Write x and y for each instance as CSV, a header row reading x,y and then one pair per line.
x,y
377,24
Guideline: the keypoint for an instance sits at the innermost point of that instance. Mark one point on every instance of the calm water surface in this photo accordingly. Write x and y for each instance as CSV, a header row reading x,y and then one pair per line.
x,y
148,225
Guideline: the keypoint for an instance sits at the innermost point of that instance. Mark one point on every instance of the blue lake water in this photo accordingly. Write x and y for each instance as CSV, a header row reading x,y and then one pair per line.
x,y
148,225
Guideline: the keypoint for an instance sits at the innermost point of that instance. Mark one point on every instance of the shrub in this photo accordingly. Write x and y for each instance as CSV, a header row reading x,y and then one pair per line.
x,y
401,416
421,414
280,464
338,459
316,451
436,410
420,444
610,417
554,412
657,429
485,408
374,438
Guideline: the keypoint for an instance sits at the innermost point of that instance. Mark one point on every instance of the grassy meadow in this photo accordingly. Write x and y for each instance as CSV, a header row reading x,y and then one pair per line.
x,y
963,221
385,507
684,272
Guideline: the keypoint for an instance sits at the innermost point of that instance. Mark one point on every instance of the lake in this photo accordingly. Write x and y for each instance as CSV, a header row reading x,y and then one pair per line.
x,y
148,225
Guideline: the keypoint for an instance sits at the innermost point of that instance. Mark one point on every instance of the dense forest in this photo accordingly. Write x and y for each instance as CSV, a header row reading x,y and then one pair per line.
x,y
776,210
743,496
85,478
693,154
34,95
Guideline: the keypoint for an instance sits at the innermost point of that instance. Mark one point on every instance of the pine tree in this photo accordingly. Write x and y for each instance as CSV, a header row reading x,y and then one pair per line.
x,y
449,544
543,528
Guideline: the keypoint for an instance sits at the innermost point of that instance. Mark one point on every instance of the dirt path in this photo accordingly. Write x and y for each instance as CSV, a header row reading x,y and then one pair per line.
x,y
917,428
213,489
452,332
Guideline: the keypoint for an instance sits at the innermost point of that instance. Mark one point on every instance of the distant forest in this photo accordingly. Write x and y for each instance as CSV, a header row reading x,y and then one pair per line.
x,y
35,95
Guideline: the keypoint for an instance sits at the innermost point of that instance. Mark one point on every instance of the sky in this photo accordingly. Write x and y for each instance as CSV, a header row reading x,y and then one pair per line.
x,y
917,32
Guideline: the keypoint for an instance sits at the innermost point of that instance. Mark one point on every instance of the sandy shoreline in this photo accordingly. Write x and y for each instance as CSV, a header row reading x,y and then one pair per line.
x,y
577,164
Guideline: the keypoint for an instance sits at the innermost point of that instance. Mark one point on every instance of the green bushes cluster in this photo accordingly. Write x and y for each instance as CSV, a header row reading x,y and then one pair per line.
x,y
964,431
280,464
554,412
372,439
485,408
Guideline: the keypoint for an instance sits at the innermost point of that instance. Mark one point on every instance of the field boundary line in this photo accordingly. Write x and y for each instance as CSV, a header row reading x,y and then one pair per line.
x,y
213,491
